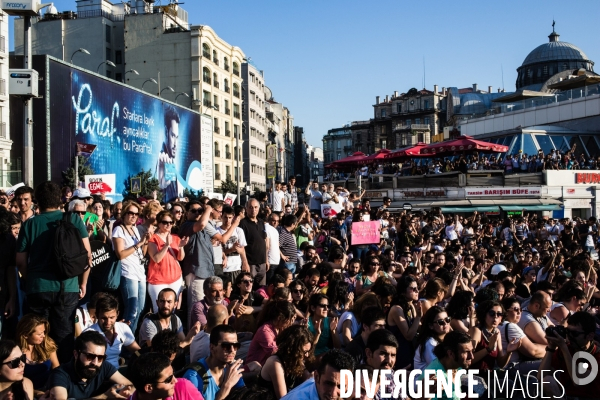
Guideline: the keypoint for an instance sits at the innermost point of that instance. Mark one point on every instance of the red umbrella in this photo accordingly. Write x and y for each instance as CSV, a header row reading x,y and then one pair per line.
x,y
350,160
414,151
379,155
464,144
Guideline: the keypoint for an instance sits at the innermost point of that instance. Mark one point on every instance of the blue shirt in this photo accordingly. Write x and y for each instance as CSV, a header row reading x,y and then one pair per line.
x,y
306,391
210,391
436,365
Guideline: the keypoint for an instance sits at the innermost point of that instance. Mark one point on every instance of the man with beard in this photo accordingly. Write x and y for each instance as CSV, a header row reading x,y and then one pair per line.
x,y
325,385
453,354
166,319
380,353
213,295
166,170
117,334
86,375
220,372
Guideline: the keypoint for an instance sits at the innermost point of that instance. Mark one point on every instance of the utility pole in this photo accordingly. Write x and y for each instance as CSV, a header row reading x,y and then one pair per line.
x,y
28,105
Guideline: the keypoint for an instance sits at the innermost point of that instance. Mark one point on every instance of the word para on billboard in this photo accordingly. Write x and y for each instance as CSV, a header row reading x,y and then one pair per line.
x,y
93,123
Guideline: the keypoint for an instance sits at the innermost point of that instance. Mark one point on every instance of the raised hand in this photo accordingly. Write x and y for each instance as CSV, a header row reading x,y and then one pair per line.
x,y
513,345
333,322
184,241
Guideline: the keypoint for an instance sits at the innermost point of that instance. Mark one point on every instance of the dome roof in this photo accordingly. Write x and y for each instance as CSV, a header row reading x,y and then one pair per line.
x,y
555,50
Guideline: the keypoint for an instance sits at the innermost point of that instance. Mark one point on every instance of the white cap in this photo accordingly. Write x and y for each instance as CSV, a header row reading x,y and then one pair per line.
x,y
82,193
496,269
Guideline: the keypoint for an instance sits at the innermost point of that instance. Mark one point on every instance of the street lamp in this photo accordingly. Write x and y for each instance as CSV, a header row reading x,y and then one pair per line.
x,y
131,70
167,88
181,94
149,80
81,50
107,62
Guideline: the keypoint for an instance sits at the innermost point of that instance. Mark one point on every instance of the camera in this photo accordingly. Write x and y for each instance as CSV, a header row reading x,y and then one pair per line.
x,y
559,329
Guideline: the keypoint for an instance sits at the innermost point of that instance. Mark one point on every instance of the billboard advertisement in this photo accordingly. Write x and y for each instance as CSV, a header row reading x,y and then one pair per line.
x,y
132,131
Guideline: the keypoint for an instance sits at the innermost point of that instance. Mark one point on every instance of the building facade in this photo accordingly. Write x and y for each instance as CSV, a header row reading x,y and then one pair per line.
x,y
337,144
254,127
280,128
9,168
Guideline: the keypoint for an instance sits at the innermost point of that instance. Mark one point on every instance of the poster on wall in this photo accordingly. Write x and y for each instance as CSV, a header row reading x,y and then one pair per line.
x,y
132,131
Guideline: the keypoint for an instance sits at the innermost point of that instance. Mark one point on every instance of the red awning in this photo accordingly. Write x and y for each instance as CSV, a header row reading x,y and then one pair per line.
x,y
378,156
348,161
463,144
414,151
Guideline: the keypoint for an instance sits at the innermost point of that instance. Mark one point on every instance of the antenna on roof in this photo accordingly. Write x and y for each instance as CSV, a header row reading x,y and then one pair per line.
x,y
553,23
502,69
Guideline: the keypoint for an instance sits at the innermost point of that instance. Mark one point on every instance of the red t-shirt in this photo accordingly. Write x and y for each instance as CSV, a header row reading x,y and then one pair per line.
x,y
167,270
589,390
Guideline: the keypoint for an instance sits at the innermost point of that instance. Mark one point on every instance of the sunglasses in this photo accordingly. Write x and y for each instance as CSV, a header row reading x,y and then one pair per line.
x,y
248,281
325,306
443,321
168,380
79,212
516,309
494,314
375,264
195,210
92,356
12,364
132,213
414,289
177,212
166,222
297,291
228,345
469,259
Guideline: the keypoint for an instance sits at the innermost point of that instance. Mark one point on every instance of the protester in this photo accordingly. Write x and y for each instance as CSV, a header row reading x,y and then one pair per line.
x,y
12,383
40,349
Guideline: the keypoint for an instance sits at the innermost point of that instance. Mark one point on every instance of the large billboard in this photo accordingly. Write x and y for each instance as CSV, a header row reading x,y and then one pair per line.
x,y
133,131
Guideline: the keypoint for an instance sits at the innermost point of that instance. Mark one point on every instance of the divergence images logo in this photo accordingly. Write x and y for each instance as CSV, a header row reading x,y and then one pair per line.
x,y
584,372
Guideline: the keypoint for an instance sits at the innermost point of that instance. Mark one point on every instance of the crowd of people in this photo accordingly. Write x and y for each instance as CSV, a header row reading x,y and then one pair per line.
x,y
518,162
273,300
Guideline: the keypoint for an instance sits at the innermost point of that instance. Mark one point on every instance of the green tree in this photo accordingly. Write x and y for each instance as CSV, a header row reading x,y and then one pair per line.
x,y
149,186
68,176
228,186
193,195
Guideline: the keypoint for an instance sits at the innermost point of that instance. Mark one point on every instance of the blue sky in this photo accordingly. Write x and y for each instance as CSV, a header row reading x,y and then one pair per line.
x,y
327,60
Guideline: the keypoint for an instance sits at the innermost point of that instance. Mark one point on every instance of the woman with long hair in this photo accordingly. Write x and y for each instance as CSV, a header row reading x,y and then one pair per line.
x,y
435,291
488,351
273,319
461,309
434,327
339,298
165,250
404,319
299,297
286,369
38,347
370,273
13,385
322,326
131,247
178,211
568,300
349,323
149,215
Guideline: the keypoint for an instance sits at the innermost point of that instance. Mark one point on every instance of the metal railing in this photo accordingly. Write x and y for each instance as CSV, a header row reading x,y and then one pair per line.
x,y
206,55
226,66
236,94
226,89
217,153
216,60
216,84
423,127
227,132
207,103
227,111
217,175
229,176
217,129
216,107
228,155
206,79
236,114
236,72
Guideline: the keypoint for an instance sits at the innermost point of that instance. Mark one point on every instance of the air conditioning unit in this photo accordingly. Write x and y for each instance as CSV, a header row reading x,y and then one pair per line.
x,y
23,82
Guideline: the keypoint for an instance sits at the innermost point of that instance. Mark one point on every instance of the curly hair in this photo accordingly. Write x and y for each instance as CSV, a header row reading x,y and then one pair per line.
x,y
25,327
290,349
128,204
276,312
483,308
366,300
458,307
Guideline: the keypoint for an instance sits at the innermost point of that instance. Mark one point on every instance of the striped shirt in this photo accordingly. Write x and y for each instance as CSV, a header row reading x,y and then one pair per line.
x,y
287,244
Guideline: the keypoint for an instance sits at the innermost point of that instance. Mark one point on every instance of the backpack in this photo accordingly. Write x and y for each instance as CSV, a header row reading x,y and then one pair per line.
x,y
155,320
200,370
69,254
112,276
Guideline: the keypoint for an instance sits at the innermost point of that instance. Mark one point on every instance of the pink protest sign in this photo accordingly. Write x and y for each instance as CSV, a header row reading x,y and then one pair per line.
x,y
366,232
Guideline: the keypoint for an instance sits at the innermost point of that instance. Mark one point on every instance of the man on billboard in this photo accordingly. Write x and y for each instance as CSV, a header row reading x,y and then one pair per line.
x,y
166,170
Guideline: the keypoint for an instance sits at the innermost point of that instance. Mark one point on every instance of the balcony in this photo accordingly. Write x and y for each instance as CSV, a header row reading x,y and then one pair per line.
x,y
216,60
206,55
216,107
227,132
207,103
217,153
216,84
226,89
217,175
236,115
228,156
236,94
226,66
228,111
206,79
217,129
420,127
228,176
236,72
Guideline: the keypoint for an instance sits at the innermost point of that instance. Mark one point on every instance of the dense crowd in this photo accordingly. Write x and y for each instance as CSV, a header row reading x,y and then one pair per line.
x,y
509,163
272,300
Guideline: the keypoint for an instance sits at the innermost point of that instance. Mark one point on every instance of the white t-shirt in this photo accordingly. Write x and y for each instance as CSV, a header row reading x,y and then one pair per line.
x,y
428,356
124,338
514,331
132,266
451,232
273,236
234,262
354,326
277,200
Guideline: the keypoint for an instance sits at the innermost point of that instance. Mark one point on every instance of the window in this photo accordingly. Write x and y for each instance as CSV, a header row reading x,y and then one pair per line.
x,y
216,101
398,107
228,171
206,75
426,121
530,73
339,156
215,80
109,74
383,144
227,152
339,144
545,70
426,104
226,85
236,90
108,55
217,152
382,113
215,59
216,122
118,57
417,121
324,145
236,130
226,63
236,111
206,50
236,69
349,142
119,77
107,30
408,123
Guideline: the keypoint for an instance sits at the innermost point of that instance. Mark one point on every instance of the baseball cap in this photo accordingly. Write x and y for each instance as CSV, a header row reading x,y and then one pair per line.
x,y
496,269
81,193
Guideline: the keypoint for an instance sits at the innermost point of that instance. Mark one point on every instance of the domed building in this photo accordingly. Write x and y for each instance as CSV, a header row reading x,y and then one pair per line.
x,y
549,59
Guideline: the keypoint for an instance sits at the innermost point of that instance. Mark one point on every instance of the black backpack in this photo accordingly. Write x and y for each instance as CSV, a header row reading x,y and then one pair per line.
x,y
69,254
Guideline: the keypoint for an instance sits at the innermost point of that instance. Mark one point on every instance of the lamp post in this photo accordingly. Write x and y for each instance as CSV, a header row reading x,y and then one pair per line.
x,y
81,50
181,94
149,80
131,70
167,88
107,62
